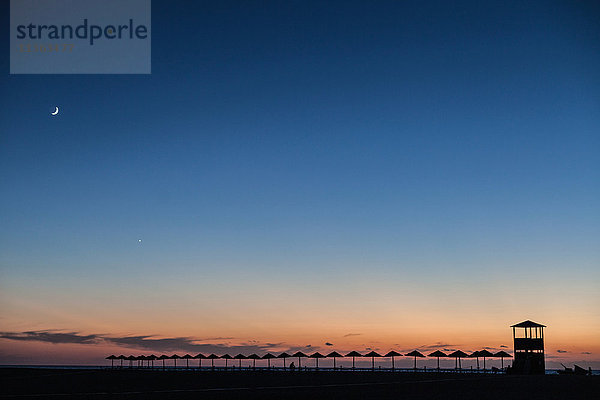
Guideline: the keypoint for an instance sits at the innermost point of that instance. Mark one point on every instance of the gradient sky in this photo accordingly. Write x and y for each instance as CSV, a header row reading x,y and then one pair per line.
x,y
370,174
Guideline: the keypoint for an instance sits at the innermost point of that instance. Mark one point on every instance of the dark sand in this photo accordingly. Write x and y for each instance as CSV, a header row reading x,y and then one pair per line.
x,y
136,384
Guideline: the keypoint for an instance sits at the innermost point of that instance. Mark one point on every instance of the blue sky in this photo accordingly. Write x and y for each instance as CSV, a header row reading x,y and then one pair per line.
x,y
294,142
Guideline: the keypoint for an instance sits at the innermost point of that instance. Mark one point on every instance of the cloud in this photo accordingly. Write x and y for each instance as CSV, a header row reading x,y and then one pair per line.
x,y
352,334
437,345
504,346
561,351
142,342
328,344
49,336
585,352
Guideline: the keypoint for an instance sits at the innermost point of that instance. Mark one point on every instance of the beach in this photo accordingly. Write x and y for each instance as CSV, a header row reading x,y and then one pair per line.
x,y
39,383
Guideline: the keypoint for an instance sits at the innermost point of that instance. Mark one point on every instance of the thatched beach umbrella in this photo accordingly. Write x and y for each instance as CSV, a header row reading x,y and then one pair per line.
x,y
163,358
140,360
200,357
334,355
268,357
438,354
484,353
112,359
187,360
316,356
475,354
457,355
284,355
415,354
393,354
240,357
299,354
226,357
502,354
212,359
353,354
372,354
254,357
131,359
175,357
122,357
151,358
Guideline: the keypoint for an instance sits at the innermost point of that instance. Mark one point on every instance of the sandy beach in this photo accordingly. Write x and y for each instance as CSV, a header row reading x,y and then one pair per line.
x,y
39,383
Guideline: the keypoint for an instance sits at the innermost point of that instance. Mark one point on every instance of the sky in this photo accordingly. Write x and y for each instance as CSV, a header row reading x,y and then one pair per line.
x,y
372,175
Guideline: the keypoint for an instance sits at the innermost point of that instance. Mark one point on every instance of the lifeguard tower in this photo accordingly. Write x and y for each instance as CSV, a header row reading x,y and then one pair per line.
x,y
528,339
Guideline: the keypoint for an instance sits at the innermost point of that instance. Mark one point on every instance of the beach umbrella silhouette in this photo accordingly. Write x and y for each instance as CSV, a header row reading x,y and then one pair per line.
x,y
268,357
112,359
335,355
240,357
475,354
254,357
372,354
353,354
151,358
212,359
438,354
502,354
284,355
122,357
200,357
131,359
163,358
140,360
457,355
175,357
484,353
299,354
393,354
226,357
187,360
316,356
415,354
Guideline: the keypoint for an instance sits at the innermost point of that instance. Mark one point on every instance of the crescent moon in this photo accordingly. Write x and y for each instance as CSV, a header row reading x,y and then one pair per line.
x,y
55,112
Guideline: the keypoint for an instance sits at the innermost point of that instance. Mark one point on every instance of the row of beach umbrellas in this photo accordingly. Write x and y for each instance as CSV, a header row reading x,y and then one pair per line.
x,y
457,355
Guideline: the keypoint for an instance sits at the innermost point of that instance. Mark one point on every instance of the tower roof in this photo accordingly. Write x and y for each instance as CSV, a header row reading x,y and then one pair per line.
x,y
528,324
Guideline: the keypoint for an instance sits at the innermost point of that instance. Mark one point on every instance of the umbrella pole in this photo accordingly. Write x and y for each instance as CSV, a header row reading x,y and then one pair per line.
x,y
299,365
333,362
284,367
502,361
352,362
254,363
415,363
438,364
373,363
269,363
393,366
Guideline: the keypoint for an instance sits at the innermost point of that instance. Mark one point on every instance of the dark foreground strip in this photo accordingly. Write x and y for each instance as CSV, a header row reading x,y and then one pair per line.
x,y
234,389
